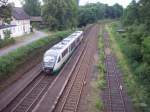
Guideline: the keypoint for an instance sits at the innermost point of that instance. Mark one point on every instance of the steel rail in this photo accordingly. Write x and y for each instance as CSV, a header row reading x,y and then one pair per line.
x,y
109,59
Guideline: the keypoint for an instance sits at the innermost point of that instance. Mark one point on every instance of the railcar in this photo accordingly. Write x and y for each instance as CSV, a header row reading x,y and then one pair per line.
x,y
55,57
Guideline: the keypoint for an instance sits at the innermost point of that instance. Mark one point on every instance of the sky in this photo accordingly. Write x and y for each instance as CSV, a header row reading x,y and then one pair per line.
x,y
124,3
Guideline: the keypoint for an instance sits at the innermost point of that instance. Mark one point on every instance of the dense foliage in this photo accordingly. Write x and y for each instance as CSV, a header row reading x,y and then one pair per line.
x,y
6,42
32,7
7,39
136,19
10,63
5,11
64,14
60,14
91,13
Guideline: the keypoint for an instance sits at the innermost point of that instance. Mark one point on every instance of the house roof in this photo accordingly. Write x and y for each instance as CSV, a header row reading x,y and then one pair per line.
x,y
6,26
19,14
36,18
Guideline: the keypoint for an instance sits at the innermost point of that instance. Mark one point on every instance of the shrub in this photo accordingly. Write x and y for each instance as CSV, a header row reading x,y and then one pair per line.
x,y
6,42
6,34
135,65
99,105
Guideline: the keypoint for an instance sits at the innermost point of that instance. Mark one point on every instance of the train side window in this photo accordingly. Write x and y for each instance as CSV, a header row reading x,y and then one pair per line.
x,y
72,45
58,60
65,52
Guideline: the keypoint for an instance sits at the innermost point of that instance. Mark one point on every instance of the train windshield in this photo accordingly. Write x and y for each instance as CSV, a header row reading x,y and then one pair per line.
x,y
49,60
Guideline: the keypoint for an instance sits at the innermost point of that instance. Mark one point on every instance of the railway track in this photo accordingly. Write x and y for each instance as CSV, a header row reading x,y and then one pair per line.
x,y
32,94
70,98
114,94
28,98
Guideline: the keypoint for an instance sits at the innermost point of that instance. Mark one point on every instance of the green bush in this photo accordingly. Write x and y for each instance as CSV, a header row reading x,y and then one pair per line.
x,y
6,42
7,39
99,105
11,62
7,34
136,49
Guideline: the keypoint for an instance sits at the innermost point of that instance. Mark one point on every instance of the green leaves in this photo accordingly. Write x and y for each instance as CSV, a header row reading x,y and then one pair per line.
x,y
131,14
60,14
32,7
6,41
5,13
146,50
91,13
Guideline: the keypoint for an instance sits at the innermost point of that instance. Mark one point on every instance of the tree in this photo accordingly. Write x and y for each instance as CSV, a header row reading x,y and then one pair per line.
x,y
146,50
136,19
87,15
60,14
131,14
5,11
32,7
118,10
90,13
144,11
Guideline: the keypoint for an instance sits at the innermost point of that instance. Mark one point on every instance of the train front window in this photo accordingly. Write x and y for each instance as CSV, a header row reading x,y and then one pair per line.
x,y
49,58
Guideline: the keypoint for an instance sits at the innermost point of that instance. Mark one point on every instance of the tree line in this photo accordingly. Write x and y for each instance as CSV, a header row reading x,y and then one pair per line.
x,y
93,12
65,14
136,19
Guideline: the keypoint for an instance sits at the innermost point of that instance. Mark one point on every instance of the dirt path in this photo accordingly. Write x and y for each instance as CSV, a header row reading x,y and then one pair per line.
x,y
85,101
37,35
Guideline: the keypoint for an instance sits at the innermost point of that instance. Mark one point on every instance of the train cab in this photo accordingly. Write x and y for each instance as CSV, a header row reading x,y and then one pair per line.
x,y
49,61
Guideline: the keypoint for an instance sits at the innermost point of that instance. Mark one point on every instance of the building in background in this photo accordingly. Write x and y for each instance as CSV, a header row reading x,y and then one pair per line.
x,y
19,25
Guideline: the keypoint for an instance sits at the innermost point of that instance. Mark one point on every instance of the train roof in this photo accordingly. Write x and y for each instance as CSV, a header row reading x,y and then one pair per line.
x,y
61,46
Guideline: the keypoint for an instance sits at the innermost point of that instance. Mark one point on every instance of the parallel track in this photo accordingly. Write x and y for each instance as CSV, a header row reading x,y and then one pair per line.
x,y
71,96
26,101
31,95
114,94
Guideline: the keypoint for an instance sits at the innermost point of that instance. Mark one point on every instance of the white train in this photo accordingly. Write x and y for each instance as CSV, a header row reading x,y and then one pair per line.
x,y
55,57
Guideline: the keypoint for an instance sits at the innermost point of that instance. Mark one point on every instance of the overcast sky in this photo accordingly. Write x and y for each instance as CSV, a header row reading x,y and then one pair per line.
x,y
124,3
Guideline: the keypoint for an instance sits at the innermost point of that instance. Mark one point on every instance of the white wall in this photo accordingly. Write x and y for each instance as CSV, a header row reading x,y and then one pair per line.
x,y
20,30
22,27
1,22
1,34
16,30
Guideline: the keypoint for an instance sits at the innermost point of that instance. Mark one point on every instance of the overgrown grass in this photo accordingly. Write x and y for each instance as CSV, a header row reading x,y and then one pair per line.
x,y
101,82
118,44
11,62
95,103
6,42
98,83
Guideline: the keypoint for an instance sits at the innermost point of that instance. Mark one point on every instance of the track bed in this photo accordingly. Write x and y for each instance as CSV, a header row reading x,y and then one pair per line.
x,y
114,96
